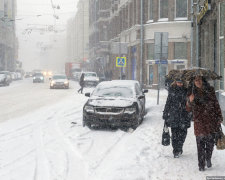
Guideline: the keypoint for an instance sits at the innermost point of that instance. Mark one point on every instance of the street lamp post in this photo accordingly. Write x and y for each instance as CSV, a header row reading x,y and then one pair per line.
x,y
142,41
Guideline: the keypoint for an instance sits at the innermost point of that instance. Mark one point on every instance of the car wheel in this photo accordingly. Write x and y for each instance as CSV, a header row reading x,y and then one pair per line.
x,y
138,121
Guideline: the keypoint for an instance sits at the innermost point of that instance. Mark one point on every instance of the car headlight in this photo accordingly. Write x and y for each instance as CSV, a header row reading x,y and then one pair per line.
x,y
52,82
41,78
89,109
97,79
66,82
130,110
34,77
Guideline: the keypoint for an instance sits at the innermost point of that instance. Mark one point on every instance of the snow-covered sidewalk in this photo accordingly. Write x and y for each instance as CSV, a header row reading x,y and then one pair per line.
x,y
46,145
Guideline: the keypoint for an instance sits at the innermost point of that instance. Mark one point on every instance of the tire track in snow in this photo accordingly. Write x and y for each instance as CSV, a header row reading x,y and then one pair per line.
x,y
74,157
109,150
42,166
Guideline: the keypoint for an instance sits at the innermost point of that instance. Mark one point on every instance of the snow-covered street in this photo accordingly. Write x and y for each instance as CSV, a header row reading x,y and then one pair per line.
x,y
42,138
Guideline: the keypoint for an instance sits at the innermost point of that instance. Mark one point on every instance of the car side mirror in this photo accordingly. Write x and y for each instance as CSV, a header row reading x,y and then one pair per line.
x,y
141,97
145,90
50,79
87,94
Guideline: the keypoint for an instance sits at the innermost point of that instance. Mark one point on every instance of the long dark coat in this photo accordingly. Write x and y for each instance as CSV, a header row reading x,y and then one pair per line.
x,y
81,82
175,113
206,111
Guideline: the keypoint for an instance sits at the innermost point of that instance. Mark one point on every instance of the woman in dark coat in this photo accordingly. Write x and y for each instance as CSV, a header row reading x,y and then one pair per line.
x,y
81,82
176,115
207,117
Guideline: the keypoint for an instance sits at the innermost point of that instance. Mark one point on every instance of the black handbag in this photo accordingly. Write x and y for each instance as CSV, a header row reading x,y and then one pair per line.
x,y
165,136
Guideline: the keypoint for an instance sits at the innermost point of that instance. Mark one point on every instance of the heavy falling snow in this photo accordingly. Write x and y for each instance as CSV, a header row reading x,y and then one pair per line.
x,y
42,138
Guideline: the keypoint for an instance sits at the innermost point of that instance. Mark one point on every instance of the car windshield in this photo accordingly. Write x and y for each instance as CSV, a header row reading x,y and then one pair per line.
x,y
113,91
38,74
90,75
59,77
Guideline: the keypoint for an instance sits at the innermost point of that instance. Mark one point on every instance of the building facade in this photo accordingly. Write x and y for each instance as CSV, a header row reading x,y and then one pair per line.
x,y
78,34
99,15
139,30
208,40
8,40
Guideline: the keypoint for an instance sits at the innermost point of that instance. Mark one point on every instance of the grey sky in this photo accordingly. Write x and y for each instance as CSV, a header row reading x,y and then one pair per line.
x,y
38,48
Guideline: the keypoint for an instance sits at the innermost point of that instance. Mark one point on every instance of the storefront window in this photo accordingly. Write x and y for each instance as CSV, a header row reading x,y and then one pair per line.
x,y
163,9
151,51
181,8
180,50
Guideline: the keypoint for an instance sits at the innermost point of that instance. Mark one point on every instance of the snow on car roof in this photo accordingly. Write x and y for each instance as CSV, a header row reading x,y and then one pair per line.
x,y
128,83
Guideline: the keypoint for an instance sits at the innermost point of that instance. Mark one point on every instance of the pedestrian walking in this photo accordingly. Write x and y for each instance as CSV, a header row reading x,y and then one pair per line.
x,y
81,82
176,115
207,118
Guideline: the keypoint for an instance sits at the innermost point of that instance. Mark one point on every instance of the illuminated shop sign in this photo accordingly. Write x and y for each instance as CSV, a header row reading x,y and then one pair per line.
x,y
203,10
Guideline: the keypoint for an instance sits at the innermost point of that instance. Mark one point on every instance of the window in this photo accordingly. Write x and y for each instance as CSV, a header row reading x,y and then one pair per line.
x,y
5,9
163,9
151,48
181,8
180,50
150,11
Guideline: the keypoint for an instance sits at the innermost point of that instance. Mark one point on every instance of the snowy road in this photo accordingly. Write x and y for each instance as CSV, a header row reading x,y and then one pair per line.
x,y
42,138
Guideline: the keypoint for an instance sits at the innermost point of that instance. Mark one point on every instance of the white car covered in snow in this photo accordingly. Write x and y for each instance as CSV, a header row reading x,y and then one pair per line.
x,y
90,79
119,103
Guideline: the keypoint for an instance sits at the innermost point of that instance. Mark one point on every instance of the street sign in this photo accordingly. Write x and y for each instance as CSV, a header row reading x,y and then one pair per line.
x,y
121,62
161,62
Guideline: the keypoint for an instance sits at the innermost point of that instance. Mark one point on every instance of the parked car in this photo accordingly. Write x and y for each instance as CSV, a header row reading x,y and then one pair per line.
x,y
38,78
119,103
90,79
8,74
59,81
4,81
76,76
19,76
13,76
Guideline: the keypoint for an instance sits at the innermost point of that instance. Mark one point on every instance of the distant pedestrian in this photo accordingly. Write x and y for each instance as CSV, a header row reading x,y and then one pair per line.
x,y
81,82
176,115
207,117
123,77
110,75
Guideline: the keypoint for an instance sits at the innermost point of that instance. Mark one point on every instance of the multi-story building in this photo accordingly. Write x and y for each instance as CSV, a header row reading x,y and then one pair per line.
x,y
8,42
78,34
145,33
99,15
208,40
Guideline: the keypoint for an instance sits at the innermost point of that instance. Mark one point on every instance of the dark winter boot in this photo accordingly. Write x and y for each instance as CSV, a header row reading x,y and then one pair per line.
x,y
176,155
201,168
208,164
180,152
